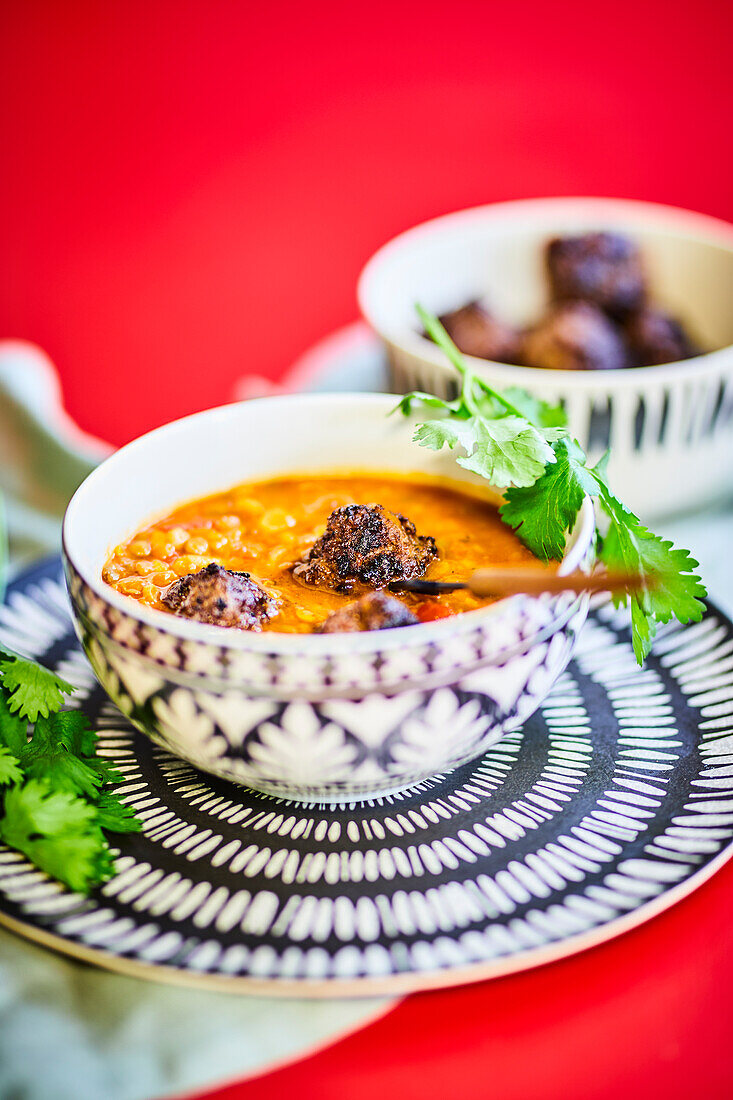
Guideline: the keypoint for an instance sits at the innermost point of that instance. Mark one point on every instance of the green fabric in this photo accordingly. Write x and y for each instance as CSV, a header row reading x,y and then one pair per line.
x,y
71,1032
43,455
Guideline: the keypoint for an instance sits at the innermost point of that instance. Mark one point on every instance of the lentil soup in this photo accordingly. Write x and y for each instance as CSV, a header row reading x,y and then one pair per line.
x,y
265,528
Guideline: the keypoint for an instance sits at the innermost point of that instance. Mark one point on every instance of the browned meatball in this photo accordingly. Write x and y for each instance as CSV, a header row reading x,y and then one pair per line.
x,y
375,611
574,336
218,596
475,331
604,268
365,544
656,337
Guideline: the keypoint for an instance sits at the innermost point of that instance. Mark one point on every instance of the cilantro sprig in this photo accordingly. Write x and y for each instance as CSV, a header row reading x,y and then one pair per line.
x,y
501,442
523,445
55,805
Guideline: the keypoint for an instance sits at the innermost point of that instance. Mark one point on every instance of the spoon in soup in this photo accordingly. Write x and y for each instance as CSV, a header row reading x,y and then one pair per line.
x,y
532,582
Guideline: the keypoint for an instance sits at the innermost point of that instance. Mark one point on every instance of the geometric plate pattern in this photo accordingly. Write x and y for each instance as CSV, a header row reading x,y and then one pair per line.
x,y
614,800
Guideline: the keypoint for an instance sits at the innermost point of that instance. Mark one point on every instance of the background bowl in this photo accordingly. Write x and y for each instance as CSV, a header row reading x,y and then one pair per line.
x,y
670,428
310,717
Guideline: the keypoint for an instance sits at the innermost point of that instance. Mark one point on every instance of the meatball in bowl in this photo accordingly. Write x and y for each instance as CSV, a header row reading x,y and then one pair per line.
x,y
243,607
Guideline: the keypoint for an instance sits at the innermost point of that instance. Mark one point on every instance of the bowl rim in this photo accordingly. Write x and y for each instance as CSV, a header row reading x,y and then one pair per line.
x,y
683,223
272,642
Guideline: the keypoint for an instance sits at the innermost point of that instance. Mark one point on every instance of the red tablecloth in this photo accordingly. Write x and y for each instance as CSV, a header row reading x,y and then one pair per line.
x,y
645,1016
188,192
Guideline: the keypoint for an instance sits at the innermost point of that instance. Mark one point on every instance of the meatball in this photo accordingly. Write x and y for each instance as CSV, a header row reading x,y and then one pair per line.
x,y
604,268
574,336
655,337
375,611
218,596
475,331
365,544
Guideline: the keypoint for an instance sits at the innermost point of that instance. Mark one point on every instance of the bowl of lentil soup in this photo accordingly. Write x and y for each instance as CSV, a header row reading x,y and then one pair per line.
x,y
227,576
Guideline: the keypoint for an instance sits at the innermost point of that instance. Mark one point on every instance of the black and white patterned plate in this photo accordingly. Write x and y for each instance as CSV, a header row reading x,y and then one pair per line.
x,y
612,802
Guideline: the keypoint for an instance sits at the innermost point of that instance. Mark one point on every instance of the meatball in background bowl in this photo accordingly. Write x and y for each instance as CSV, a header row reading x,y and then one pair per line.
x,y
313,717
669,425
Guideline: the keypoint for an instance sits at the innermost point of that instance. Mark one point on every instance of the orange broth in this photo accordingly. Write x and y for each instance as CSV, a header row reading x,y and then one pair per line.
x,y
265,527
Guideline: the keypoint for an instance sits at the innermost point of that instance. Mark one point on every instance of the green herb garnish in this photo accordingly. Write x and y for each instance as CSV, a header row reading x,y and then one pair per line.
x,y
54,804
523,445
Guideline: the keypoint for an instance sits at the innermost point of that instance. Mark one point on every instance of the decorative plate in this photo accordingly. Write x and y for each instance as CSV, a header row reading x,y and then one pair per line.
x,y
612,802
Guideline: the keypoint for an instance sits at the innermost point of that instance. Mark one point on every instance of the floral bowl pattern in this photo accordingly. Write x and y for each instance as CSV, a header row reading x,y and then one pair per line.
x,y
327,718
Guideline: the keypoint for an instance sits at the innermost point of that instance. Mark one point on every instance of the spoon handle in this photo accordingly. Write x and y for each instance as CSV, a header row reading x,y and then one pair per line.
x,y
507,582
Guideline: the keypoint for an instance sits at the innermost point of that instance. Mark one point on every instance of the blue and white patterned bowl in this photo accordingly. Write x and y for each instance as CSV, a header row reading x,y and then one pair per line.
x,y
327,718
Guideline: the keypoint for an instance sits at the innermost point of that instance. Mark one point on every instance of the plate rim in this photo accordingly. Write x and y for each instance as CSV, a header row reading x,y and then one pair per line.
x,y
395,985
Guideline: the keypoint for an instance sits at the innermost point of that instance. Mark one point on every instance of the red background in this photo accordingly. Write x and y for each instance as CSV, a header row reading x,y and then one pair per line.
x,y
188,192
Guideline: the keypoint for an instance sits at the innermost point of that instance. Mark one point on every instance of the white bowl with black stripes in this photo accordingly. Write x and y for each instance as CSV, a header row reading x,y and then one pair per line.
x,y
310,717
669,427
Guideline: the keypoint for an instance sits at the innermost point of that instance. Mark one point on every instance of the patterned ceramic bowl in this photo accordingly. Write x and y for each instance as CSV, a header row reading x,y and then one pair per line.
x,y
310,717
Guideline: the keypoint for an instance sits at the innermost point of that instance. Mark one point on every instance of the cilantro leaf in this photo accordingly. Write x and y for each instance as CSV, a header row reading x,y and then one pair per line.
x,y
57,832
522,444
32,689
63,771
538,412
80,860
54,806
643,628
57,752
113,814
427,400
544,513
9,768
506,451
42,811
670,587
13,729
67,728
450,432
676,590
